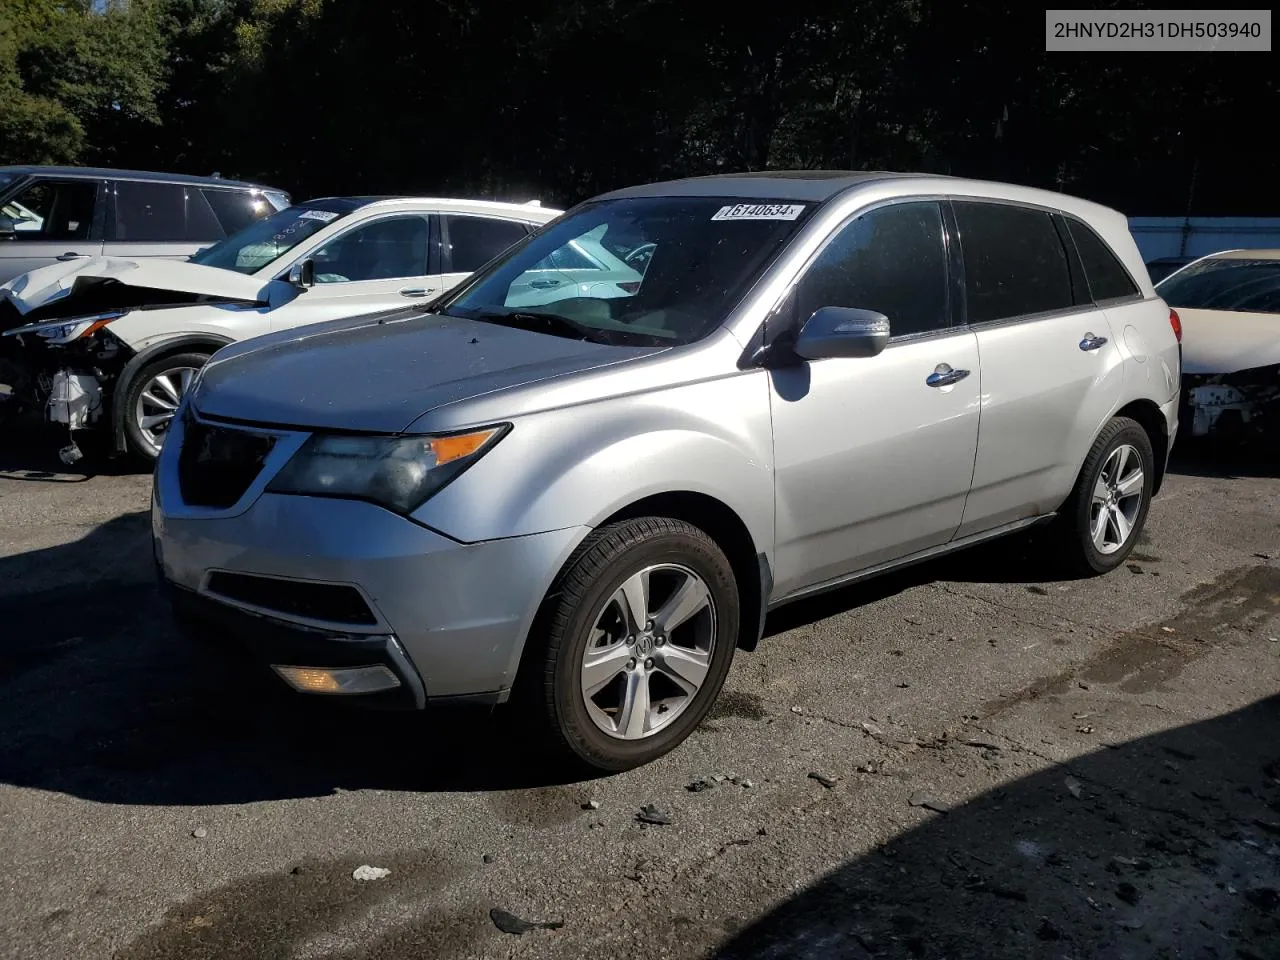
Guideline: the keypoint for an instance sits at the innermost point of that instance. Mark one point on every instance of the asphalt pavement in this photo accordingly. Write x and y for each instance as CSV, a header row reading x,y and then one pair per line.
x,y
963,760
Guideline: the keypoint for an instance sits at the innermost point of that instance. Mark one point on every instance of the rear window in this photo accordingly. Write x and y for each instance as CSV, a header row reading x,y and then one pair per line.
x,y
1108,279
1014,261
1242,286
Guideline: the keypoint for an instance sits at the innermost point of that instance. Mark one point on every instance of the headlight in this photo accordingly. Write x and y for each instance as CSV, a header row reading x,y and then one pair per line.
x,y
70,330
399,473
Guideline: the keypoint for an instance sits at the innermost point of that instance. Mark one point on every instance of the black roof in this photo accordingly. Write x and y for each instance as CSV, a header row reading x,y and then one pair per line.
x,y
811,185
107,173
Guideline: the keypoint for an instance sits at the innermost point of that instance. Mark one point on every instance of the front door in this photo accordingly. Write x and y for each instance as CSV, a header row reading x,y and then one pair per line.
x,y
51,221
374,266
874,456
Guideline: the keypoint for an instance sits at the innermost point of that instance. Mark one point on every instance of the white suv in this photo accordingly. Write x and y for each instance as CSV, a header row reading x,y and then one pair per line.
x,y
124,337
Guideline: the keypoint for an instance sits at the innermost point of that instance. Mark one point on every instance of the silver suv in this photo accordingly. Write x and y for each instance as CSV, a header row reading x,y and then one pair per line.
x,y
583,492
52,214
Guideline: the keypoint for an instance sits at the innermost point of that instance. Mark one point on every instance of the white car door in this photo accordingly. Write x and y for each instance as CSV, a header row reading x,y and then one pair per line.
x,y
379,264
469,241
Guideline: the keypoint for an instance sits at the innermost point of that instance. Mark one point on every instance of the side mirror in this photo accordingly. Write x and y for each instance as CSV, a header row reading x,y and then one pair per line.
x,y
842,332
303,274
8,228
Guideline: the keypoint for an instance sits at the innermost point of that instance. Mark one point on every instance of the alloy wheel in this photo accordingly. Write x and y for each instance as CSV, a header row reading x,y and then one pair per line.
x,y
1117,499
649,651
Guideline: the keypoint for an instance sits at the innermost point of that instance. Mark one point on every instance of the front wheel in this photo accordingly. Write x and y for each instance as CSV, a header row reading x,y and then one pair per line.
x,y
642,630
1101,521
153,398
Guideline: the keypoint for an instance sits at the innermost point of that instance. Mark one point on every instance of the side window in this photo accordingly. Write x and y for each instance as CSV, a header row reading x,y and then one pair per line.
x,y
471,242
235,209
891,260
1108,279
382,250
150,212
53,210
1014,262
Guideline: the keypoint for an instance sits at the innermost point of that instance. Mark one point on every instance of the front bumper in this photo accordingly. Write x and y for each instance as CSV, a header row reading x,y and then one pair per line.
x,y
459,612
276,642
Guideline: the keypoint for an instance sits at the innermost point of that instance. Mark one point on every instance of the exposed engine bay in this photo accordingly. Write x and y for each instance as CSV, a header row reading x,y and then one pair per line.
x,y
60,362
1237,405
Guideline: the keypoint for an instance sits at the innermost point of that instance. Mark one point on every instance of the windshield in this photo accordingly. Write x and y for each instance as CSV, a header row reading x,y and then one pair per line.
x,y
644,271
1247,286
252,248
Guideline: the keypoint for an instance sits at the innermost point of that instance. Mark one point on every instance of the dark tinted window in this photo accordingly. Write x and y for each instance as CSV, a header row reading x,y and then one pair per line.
x,y
890,260
53,210
474,241
1225,284
154,212
235,209
1014,263
202,225
1107,276
381,250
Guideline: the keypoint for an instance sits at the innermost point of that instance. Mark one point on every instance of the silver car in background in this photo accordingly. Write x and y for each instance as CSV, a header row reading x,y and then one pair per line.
x,y
584,497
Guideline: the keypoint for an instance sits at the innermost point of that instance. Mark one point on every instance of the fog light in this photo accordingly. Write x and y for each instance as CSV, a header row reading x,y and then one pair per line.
x,y
369,679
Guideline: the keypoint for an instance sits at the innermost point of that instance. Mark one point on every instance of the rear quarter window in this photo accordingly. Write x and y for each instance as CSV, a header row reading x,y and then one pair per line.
x,y
1107,277
235,209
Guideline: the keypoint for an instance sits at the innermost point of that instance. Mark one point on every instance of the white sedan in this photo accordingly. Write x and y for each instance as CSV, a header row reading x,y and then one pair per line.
x,y
1229,305
132,333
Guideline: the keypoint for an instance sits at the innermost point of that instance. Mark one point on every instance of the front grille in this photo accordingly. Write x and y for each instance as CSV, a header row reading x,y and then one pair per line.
x,y
330,602
216,465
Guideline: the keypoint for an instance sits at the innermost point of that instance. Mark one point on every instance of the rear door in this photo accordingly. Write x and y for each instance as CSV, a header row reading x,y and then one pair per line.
x,y
469,241
53,220
155,219
1051,369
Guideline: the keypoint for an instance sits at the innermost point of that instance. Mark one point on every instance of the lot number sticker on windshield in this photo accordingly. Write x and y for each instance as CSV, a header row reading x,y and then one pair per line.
x,y
324,216
760,211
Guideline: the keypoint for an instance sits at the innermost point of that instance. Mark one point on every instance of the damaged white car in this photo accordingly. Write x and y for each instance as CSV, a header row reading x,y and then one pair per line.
x,y
108,343
1229,307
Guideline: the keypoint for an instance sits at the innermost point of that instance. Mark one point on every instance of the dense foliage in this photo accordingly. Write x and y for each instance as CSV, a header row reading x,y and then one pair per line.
x,y
560,99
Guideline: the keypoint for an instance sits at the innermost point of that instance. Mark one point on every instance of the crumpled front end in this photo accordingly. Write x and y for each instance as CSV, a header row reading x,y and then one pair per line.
x,y
1241,405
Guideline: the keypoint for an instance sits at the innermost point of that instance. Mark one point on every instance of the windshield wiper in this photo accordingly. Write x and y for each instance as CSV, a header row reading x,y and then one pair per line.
x,y
552,323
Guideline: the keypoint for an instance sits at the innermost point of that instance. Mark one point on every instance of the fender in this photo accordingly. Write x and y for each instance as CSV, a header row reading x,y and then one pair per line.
x,y
205,341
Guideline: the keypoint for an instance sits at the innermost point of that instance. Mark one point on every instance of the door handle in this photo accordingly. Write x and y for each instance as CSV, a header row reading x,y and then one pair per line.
x,y
415,292
72,256
1090,342
944,376
543,284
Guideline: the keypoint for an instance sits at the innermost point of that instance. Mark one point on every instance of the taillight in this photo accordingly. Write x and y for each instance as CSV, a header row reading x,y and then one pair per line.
x,y
1176,322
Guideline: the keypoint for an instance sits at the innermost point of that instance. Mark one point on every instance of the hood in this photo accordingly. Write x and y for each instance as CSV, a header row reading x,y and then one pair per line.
x,y
47,286
381,373
1222,341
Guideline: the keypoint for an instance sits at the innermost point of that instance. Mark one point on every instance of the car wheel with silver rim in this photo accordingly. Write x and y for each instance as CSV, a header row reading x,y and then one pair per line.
x,y
640,632
1100,523
152,400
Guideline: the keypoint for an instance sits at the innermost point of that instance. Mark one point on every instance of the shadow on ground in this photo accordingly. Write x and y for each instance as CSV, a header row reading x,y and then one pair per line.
x,y
1167,846
100,697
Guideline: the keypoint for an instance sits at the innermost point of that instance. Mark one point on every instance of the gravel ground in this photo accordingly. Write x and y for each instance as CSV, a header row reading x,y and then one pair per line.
x,y
963,760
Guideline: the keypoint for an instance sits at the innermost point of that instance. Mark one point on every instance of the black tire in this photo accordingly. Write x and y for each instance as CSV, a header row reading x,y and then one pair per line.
x,y
138,445
592,575
1071,538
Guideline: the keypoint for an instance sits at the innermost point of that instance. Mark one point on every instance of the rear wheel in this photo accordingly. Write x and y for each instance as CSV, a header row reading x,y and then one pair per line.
x,y
1101,521
152,400
642,630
